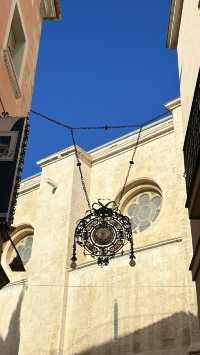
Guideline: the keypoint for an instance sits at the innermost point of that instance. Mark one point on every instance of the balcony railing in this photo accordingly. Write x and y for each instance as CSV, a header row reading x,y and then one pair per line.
x,y
192,142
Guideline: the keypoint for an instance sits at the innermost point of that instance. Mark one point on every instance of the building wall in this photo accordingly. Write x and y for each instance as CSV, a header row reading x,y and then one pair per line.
x,y
16,95
152,306
152,300
149,309
31,20
20,30
188,54
186,40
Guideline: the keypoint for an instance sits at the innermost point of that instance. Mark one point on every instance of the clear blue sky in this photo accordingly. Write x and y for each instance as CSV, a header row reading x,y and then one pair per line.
x,y
104,62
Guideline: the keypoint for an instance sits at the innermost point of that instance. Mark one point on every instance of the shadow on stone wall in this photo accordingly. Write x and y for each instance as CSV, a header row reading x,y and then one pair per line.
x,y
170,334
10,345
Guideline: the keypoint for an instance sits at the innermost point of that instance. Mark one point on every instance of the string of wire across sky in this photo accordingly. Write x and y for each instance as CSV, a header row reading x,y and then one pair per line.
x,y
104,127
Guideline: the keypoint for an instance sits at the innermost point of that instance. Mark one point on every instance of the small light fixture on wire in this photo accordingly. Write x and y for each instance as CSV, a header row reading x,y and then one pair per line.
x,y
103,232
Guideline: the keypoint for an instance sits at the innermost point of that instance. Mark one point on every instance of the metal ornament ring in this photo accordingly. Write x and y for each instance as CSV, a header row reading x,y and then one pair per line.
x,y
103,232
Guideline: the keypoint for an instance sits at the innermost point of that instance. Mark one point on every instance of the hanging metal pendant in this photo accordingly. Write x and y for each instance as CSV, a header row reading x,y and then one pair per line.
x,y
103,232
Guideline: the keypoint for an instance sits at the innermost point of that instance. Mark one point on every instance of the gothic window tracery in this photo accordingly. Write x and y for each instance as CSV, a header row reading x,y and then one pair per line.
x,y
142,203
143,209
24,248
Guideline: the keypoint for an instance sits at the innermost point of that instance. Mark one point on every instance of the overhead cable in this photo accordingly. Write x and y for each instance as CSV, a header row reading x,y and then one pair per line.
x,y
103,127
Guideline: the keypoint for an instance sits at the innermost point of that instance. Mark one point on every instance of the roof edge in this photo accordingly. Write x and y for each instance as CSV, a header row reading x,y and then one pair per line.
x,y
58,9
51,10
176,8
172,104
61,154
126,142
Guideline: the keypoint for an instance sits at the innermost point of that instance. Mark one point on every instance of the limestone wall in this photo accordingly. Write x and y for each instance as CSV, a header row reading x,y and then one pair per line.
x,y
149,309
188,54
156,300
152,305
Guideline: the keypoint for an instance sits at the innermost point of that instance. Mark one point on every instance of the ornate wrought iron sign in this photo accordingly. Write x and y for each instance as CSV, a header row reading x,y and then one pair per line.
x,y
103,232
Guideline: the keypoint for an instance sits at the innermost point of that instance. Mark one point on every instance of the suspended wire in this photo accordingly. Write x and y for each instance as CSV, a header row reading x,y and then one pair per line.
x,y
80,170
161,115
50,119
103,127
131,163
106,127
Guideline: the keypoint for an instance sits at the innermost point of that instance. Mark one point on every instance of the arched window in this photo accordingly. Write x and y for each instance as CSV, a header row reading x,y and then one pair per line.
x,y
22,237
142,203
24,248
143,209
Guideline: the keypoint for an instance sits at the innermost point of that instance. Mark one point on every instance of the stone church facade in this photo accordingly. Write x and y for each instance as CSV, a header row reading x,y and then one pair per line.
x,y
150,309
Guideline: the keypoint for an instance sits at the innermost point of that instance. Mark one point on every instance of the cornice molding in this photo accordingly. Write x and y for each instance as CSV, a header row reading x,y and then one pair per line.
x,y
50,9
126,143
23,282
30,184
172,105
85,157
136,250
176,8
58,8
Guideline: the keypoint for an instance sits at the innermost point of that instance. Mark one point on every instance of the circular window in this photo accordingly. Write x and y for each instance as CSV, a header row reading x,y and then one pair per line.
x,y
24,248
143,209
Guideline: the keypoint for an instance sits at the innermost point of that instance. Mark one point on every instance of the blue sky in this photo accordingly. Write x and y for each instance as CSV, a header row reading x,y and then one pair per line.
x,y
105,62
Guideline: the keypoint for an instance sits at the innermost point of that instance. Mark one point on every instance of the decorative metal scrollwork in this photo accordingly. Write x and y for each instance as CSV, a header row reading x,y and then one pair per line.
x,y
103,232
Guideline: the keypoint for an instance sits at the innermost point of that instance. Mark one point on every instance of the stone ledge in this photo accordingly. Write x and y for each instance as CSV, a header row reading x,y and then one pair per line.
x,y
137,250
127,142
29,184
17,283
63,154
